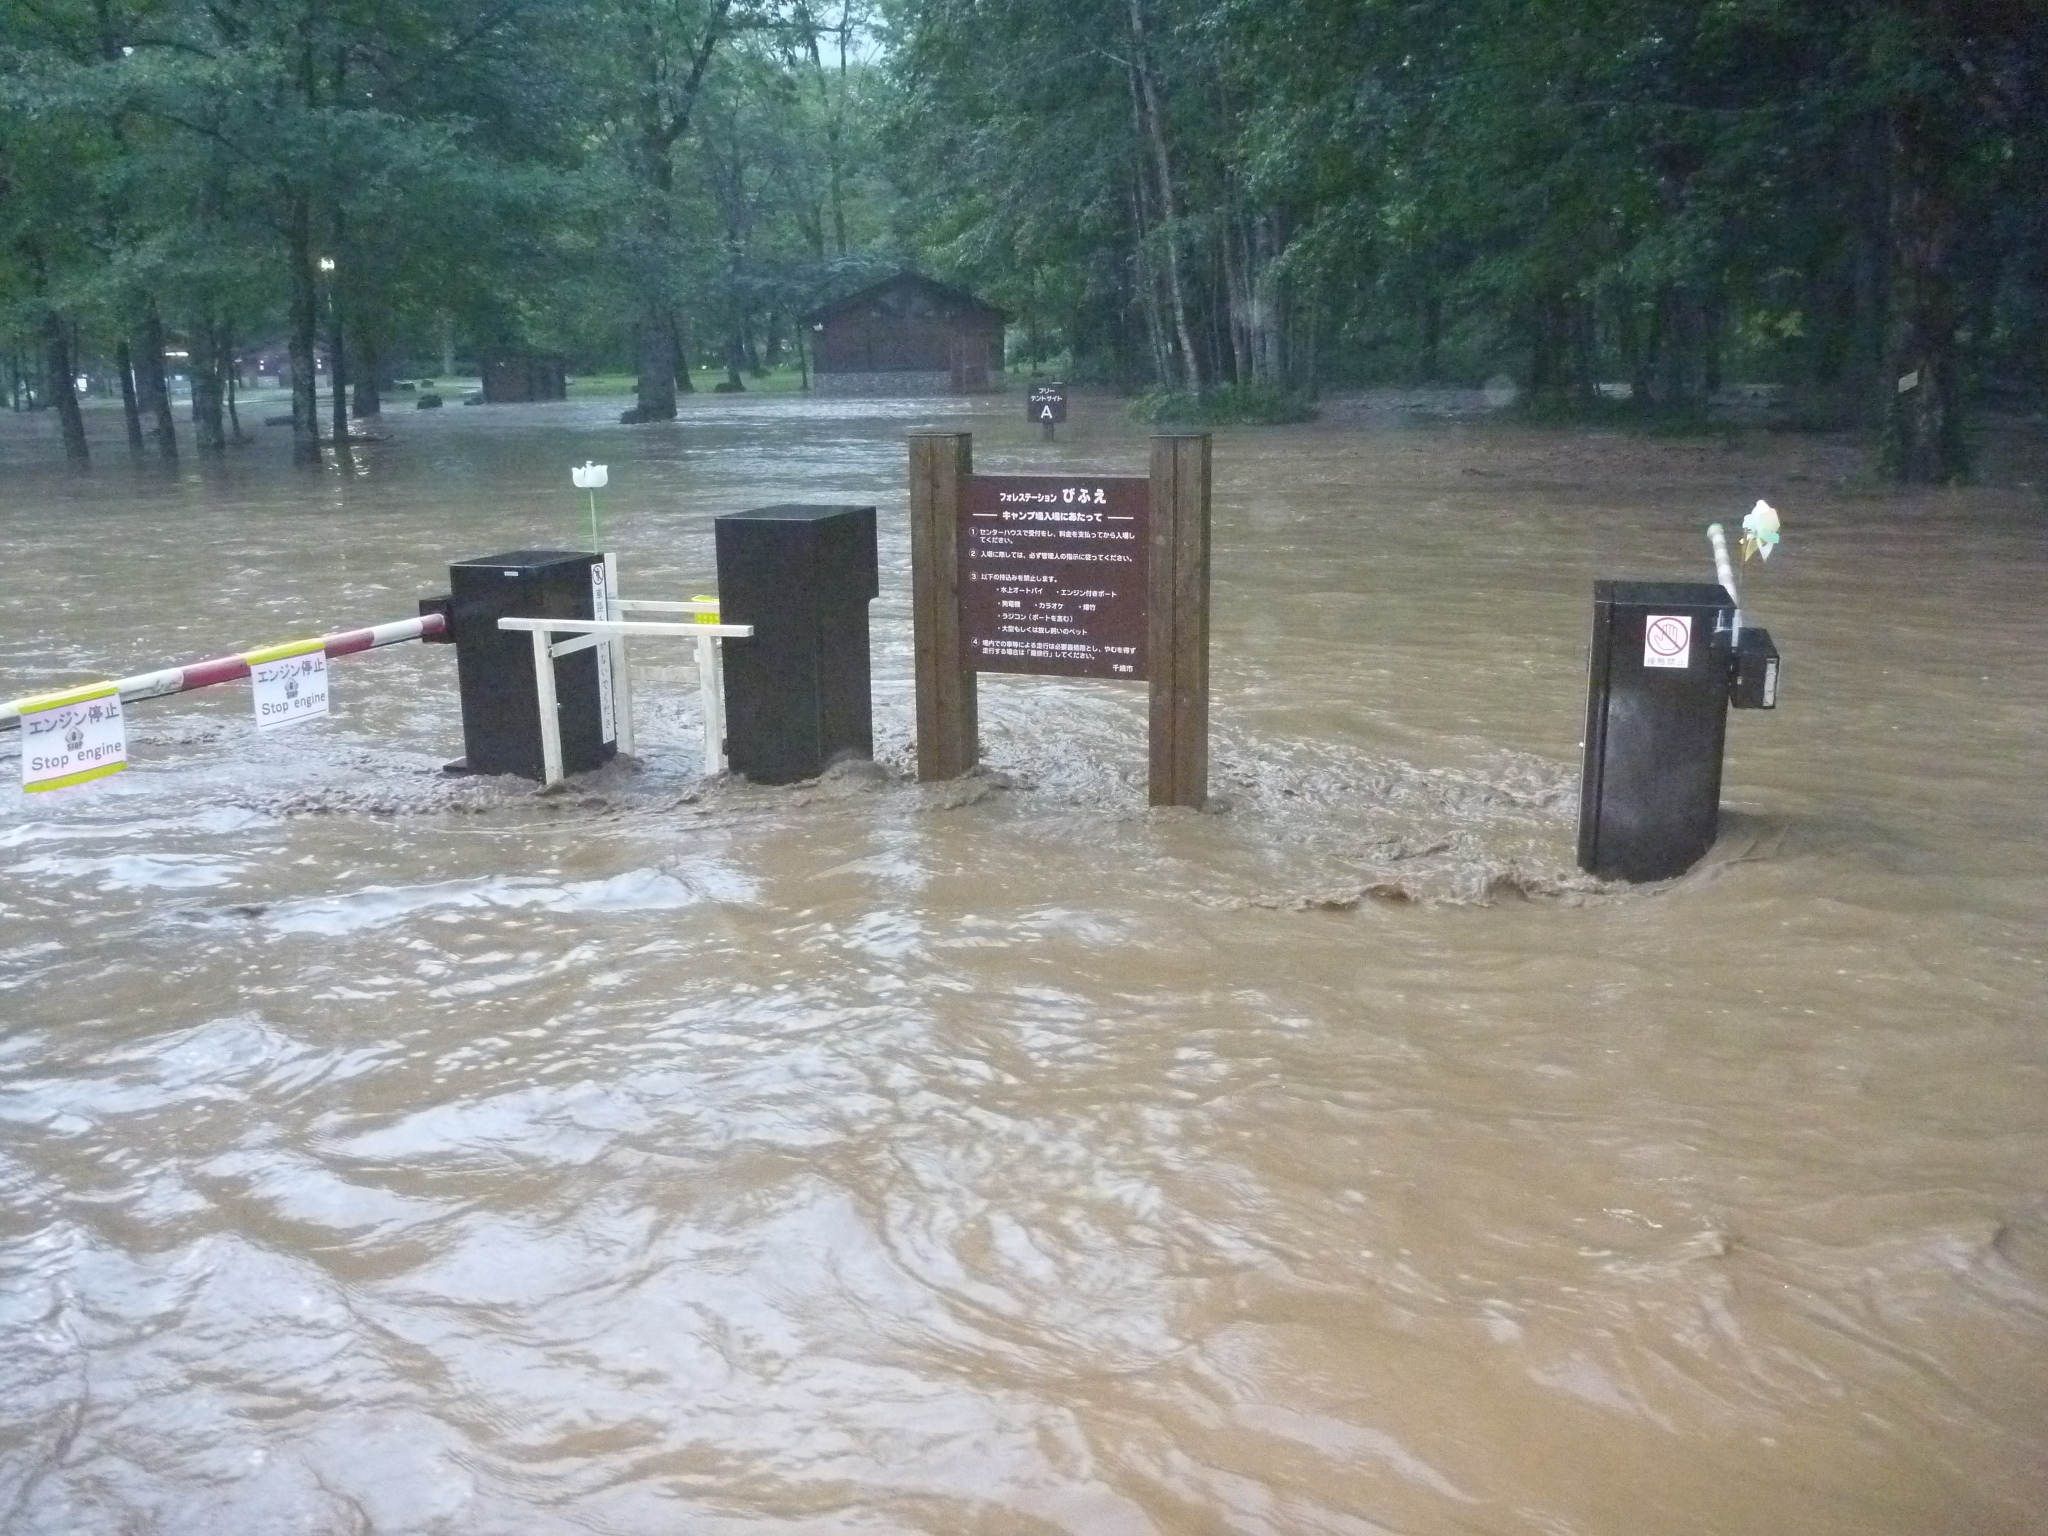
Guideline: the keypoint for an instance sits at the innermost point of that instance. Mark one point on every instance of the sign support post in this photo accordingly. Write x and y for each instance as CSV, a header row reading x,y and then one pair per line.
x,y
948,737
1177,620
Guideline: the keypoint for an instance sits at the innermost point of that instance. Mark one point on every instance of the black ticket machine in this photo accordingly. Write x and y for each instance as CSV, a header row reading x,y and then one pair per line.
x,y
797,694
1668,660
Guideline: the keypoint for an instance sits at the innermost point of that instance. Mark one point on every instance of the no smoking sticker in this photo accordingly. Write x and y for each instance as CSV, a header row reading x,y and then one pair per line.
x,y
1667,640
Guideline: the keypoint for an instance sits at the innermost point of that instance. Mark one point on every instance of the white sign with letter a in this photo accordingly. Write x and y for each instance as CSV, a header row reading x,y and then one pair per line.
x,y
289,683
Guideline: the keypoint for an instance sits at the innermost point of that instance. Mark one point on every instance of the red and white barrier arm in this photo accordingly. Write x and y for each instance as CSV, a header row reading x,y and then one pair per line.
x,y
225,669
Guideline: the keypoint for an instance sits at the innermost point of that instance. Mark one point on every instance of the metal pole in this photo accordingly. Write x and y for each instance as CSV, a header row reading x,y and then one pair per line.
x,y
1724,568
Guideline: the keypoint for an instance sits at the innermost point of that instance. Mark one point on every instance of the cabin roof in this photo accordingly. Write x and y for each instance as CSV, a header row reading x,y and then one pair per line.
x,y
946,293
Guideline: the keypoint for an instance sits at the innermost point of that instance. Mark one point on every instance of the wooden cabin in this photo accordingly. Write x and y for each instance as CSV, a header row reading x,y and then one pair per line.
x,y
907,335
523,377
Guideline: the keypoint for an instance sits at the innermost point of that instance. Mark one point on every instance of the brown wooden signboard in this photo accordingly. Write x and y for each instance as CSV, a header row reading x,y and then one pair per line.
x,y
1068,575
1052,574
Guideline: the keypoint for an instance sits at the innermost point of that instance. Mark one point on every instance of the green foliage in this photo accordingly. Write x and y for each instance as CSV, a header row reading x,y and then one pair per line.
x,y
1239,199
1657,192
1227,405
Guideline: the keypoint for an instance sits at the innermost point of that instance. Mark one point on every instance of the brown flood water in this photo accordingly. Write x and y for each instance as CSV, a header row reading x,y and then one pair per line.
x,y
387,1153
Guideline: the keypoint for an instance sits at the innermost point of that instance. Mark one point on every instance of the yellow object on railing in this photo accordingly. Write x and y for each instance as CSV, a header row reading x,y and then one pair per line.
x,y
706,597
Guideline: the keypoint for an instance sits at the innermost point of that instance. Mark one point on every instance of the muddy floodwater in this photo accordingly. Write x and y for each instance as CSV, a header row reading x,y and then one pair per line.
x,y
388,1152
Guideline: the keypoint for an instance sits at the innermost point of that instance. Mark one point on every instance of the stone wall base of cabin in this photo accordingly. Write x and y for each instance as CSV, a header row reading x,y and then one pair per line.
x,y
905,383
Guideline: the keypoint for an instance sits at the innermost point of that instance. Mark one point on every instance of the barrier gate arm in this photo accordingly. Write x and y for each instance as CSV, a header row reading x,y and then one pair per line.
x,y
591,633
225,669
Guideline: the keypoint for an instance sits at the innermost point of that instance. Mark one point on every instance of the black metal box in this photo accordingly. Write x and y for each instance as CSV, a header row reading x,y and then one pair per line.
x,y
1656,723
494,667
1756,671
797,694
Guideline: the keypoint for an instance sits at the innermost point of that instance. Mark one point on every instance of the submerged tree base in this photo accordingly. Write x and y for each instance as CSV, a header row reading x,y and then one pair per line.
x,y
1232,405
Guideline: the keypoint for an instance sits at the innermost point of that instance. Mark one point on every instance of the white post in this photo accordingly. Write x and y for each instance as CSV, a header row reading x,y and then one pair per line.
x,y
713,705
550,711
622,679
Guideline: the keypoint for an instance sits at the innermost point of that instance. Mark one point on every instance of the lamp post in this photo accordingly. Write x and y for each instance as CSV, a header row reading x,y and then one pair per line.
x,y
337,371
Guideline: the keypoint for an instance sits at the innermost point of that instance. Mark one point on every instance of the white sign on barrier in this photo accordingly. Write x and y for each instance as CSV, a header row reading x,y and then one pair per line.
x,y
600,608
68,738
289,683
1667,640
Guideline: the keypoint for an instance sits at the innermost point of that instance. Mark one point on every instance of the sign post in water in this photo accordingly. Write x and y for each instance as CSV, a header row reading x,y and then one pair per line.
x,y
68,738
289,683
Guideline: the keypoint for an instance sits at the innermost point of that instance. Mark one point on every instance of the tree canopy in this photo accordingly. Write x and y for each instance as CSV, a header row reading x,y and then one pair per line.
x,y
1266,195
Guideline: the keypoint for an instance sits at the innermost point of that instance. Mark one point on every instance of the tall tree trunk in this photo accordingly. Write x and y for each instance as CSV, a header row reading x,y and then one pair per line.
x,y
209,431
664,117
1311,347
231,373
1432,337
337,361
305,316
835,121
1546,351
152,397
1644,381
61,383
1584,346
1678,347
447,346
735,358
655,341
130,413
1169,202
1236,255
654,392
1148,287
369,386
1922,442
1713,315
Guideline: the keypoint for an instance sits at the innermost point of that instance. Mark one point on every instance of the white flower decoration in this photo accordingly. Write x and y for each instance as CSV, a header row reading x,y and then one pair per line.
x,y
1760,531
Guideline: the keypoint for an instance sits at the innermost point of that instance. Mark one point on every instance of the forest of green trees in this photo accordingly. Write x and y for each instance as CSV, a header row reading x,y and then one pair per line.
x,y
1840,196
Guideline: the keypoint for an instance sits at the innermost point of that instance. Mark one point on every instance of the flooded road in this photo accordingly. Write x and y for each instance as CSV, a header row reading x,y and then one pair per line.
x,y
381,1152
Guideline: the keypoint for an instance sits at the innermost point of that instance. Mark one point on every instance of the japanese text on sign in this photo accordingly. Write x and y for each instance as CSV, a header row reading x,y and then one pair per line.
x,y
1047,403
601,608
68,738
288,684
1052,574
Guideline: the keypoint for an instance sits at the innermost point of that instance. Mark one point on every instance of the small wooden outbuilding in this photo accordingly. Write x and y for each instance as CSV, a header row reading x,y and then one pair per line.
x,y
907,335
523,377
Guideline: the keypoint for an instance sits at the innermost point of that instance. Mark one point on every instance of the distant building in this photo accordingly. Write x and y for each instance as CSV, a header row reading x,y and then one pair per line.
x,y
270,366
907,335
515,380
